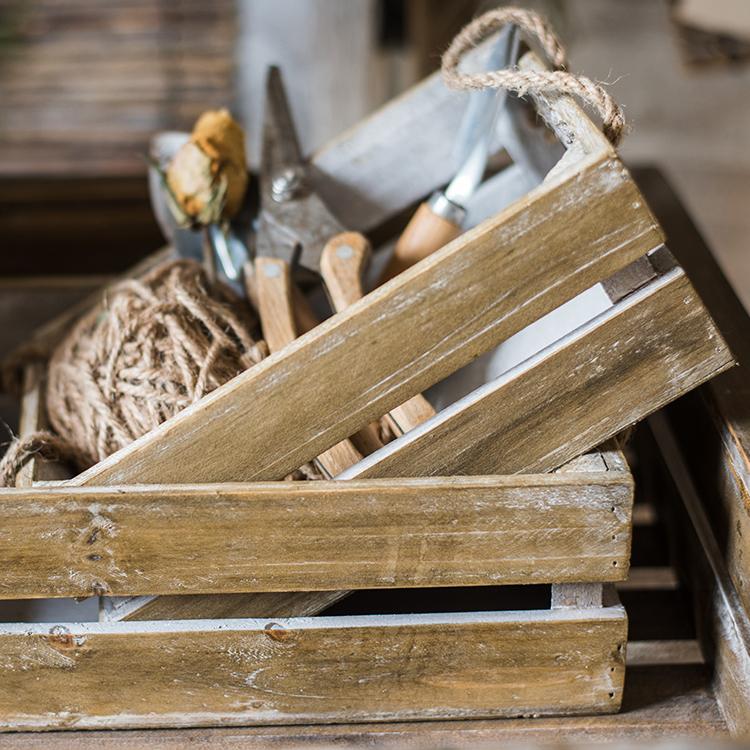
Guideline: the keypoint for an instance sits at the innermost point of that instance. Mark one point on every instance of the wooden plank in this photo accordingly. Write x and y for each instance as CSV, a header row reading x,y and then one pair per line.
x,y
297,604
653,653
644,352
577,595
662,702
294,604
718,423
218,606
33,417
502,275
724,625
291,671
462,531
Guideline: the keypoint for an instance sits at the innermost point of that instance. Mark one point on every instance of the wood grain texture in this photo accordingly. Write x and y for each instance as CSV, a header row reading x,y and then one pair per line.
x,y
503,274
33,417
275,292
318,536
426,233
292,671
723,623
411,414
607,459
273,286
636,357
342,264
218,606
653,708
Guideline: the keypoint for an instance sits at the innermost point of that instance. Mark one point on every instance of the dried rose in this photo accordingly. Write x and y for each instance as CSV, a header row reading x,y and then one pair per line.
x,y
207,177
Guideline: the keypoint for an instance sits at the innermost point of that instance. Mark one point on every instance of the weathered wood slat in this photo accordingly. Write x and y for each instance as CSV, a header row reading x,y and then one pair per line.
x,y
317,536
724,625
217,606
323,669
299,604
393,158
465,299
641,354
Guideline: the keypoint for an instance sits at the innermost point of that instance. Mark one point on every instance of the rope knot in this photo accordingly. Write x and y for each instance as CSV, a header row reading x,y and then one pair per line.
x,y
523,82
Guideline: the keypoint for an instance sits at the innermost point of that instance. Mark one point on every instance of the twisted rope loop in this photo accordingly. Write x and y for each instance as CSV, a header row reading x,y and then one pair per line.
x,y
42,444
524,82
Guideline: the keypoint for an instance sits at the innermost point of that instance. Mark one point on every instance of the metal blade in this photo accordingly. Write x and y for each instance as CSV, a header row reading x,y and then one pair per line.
x,y
477,128
294,222
281,149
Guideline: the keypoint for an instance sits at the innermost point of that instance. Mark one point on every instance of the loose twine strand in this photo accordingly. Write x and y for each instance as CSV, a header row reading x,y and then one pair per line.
x,y
153,347
523,82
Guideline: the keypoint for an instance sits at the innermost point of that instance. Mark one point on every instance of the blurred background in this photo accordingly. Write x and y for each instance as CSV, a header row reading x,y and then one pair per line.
x,y
84,83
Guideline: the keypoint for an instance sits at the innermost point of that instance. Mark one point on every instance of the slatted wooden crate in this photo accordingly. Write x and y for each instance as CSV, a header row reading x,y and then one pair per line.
x,y
479,499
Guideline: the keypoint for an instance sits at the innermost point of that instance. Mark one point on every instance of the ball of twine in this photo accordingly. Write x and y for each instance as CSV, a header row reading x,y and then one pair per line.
x,y
153,346
156,345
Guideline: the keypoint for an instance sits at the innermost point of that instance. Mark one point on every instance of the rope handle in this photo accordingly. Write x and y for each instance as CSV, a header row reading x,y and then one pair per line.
x,y
558,81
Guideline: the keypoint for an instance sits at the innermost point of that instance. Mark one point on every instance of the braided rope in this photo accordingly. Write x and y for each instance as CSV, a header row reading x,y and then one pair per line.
x,y
530,82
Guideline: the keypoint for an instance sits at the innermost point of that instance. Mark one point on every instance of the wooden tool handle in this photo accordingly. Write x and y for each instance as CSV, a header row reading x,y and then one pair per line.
x,y
424,234
273,287
275,292
412,413
304,316
341,264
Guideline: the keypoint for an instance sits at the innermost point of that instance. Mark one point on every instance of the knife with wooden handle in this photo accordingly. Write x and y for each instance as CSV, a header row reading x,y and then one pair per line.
x,y
342,263
440,219
433,225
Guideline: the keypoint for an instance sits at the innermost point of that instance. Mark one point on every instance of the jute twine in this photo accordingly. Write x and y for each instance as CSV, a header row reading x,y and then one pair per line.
x,y
154,346
524,82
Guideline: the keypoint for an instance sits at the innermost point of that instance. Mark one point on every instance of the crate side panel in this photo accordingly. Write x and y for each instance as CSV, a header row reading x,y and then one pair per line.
x,y
462,301
457,666
315,536
640,355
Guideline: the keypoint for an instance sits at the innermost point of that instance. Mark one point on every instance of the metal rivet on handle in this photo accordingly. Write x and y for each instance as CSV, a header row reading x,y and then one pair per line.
x,y
344,252
272,270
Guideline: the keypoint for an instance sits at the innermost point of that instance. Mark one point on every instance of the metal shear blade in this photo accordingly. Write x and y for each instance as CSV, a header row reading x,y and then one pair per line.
x,y
294,222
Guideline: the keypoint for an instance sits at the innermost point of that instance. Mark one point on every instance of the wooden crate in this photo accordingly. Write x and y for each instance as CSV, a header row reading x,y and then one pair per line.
x,y
475,502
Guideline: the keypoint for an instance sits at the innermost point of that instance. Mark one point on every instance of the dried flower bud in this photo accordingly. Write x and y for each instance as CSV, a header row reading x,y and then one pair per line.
x,y
207,177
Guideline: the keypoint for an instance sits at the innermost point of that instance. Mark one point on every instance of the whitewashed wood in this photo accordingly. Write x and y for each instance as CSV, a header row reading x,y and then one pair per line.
x,y
664,653
728,637
576,595
608,459
237,672
218,606
645,351
397,533
33,418
297,401
393,158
